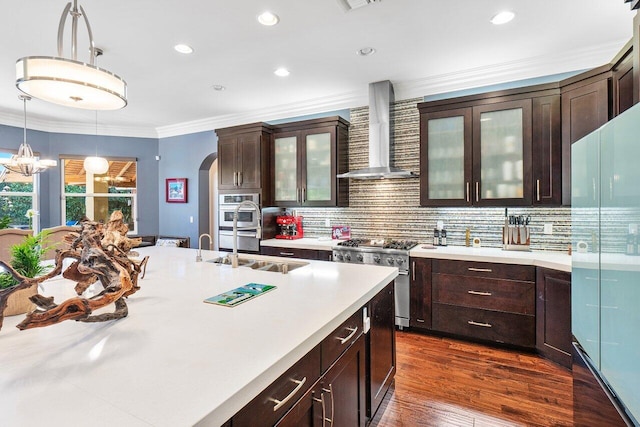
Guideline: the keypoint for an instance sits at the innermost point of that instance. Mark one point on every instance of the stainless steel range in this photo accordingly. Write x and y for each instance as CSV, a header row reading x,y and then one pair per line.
x,y
393,253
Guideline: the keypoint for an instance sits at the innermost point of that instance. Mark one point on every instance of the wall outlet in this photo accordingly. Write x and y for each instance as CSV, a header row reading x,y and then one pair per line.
x,y
548,228
327,222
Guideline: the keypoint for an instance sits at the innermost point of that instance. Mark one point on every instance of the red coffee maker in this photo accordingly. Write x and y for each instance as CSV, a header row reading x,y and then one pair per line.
x,y
290,227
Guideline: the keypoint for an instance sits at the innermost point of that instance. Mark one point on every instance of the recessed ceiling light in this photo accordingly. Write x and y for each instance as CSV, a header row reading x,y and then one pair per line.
x,y
267,18
183,48
366,51
219,88
281,72
502,17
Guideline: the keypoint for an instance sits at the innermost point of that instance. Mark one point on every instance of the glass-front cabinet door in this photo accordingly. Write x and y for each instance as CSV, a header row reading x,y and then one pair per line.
x,y
446,158
318,173
286,168
502,153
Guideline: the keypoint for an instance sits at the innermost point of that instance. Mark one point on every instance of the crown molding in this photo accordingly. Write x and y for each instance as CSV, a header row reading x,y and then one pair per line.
x,y
313,106
533,67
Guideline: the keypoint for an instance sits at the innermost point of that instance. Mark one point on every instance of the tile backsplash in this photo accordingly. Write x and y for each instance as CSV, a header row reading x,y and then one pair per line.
x,y
391,208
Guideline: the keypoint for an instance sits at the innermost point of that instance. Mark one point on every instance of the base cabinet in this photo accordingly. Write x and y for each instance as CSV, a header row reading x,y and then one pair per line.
x,y
381,355
420,294
338,383
553,315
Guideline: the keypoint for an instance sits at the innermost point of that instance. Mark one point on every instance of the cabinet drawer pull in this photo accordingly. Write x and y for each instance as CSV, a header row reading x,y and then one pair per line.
x,y
286,253
304,194
420,320
484,325
537,189
477,191
468,192
324,417
280,403
240,180
485,294
348,337
482,270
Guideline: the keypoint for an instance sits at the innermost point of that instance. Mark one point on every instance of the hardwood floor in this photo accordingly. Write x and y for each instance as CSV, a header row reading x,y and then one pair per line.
x,y
445,382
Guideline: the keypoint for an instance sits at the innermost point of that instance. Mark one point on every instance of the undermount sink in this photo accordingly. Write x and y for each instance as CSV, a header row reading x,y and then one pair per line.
x,y
260,264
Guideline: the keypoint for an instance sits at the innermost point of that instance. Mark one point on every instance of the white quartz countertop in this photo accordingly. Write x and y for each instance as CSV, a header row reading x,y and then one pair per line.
x,y
322,243
175,360
554,260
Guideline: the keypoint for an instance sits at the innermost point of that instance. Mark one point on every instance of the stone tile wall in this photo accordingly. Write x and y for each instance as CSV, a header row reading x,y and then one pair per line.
x,y
391,208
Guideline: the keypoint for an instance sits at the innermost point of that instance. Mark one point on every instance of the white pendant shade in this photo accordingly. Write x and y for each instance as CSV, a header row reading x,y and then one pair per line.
x,y
71,83
96,165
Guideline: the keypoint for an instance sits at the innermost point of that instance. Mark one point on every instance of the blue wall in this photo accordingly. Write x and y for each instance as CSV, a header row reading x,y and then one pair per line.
x,y
181,157
52,145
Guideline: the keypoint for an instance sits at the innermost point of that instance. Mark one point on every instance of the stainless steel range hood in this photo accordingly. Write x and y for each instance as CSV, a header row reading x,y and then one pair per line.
x,y
380,132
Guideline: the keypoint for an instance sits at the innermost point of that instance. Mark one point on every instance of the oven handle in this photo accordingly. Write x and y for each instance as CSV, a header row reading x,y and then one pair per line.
x,y
240,233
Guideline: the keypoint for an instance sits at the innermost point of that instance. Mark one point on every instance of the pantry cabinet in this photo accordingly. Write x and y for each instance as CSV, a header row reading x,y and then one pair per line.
x,y
489,149
306,158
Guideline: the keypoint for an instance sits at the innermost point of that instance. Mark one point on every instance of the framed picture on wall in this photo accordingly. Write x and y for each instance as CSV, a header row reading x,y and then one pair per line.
x,y
176,190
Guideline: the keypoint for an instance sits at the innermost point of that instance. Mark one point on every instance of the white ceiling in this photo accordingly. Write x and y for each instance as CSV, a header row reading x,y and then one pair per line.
x,y
423,46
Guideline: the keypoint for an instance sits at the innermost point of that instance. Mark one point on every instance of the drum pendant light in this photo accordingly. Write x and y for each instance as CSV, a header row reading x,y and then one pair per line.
x,y
71,82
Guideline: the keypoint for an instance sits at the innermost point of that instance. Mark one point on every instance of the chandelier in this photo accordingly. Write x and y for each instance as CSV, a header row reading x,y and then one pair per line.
x,y
71,82
25,163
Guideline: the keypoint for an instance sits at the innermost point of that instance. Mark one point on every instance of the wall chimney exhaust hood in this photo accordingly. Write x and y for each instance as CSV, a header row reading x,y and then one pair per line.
x,y
380,131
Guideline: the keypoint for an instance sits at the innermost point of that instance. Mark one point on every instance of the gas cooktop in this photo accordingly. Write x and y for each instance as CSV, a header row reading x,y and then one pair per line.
x,y
379,243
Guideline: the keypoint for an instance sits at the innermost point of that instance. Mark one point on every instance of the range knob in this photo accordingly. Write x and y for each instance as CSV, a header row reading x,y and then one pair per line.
x,y
390,261
376,259
347,257
339,257
400,261
359,257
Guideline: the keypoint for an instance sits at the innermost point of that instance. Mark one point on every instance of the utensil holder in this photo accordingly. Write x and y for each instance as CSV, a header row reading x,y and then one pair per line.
x,y
516,238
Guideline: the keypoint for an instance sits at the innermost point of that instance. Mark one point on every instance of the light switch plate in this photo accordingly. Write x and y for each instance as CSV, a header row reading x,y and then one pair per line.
x,y
548,228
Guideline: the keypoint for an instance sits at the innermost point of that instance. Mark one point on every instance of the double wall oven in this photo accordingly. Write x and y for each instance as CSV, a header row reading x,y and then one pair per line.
x,y
248,240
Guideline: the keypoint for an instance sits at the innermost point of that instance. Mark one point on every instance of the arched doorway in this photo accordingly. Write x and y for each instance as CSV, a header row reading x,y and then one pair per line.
x,y
207,197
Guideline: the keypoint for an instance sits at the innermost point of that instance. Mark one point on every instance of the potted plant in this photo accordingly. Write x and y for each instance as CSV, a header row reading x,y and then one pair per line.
x,y
25,259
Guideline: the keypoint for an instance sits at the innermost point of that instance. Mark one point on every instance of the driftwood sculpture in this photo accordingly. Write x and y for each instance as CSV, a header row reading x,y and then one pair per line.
x,y
101,253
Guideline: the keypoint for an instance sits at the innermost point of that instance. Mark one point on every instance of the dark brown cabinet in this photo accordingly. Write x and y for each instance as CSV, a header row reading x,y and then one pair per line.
x,y
546,156
486,301
553,315
420,293
314,254
490,149
339,382
243,158
381,354
585,107
306,157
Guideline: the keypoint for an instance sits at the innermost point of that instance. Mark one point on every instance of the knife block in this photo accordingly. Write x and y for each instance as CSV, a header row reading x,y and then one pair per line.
x,y
516,238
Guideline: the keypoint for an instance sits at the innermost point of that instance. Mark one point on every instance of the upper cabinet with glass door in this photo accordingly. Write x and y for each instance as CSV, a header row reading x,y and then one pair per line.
x,y
307,156
478,150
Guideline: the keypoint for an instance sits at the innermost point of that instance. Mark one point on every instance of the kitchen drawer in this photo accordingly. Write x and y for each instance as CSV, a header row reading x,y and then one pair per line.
x,y
508,328
340,339
485,269
288,388
481,292
313,254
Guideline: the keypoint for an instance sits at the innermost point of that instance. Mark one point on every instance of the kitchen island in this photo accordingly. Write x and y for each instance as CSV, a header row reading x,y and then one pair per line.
x,y
176,360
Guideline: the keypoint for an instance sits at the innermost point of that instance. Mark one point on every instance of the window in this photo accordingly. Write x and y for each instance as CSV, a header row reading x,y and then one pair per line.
x,y
18,194
97,196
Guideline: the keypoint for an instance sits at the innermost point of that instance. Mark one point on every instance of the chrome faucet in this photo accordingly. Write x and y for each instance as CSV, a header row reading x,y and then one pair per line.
x,y
199,256
258,228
